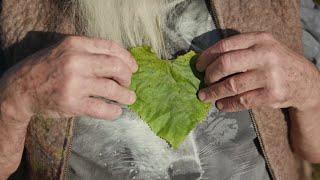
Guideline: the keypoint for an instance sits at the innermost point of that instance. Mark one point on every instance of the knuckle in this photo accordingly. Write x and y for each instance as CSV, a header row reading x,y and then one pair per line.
x,y
117,66
112,45
211,93
232,105
115,113
68,100
224,63
208,77
121,70
270,54
94,109
8,109
71,40
265,36
66,96
275,81
69,61
274,76
276,105
231,85
111,88
68,85
223,45
273,57
278,95
244,102
255,48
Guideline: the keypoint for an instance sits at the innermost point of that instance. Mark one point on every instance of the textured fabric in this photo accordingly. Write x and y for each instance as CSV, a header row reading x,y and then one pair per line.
x,y
310,17
225,142
281,19
29,25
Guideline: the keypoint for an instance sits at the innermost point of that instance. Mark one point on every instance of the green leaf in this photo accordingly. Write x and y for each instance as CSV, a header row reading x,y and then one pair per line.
x,y
167,94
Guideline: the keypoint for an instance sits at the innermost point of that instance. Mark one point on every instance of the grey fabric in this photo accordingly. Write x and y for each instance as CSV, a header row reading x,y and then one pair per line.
x,y
310,17
223,147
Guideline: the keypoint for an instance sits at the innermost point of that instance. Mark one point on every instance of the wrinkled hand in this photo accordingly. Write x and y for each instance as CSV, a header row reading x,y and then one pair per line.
x,y
61,81
72,78
254,70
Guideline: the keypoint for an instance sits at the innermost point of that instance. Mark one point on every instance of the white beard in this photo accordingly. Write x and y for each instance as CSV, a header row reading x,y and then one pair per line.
x,y
128,22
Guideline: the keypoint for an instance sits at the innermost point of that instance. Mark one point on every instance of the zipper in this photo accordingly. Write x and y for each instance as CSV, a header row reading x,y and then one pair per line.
x,y
213,12
253,120
68,149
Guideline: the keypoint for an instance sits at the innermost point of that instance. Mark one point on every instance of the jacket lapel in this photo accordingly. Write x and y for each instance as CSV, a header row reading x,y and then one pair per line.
x,y
282,19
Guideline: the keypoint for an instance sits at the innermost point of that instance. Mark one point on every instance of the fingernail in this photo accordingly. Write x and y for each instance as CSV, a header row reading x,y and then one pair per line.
x,y
219,105
198,67
134,65
202,96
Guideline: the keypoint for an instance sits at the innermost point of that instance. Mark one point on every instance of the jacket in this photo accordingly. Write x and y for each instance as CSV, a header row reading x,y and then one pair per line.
x,y
27,26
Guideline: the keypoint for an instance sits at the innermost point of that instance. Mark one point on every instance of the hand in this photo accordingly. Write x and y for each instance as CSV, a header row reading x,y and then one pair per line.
x,y
254,70
63,81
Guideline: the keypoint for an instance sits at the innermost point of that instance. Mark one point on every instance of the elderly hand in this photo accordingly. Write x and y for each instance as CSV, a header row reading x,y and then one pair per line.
x,y
62,81
254,70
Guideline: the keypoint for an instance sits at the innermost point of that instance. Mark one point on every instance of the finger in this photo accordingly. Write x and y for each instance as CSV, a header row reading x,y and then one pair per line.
x,y
231,63
112,48
100,46
109,67
99,109
245,101
111,90
237,42
233,85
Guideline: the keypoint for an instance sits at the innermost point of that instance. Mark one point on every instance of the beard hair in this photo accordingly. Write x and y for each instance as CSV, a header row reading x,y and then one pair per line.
x,y
130,23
